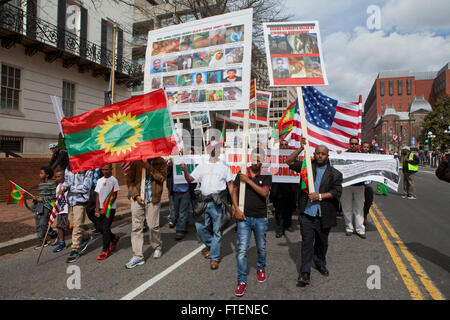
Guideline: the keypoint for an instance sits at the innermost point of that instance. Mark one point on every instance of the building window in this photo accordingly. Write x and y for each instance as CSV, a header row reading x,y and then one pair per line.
x,y
68,99
13,144
400,106
10,88
187,17
391,87
400,87
165,22
381,88
408,86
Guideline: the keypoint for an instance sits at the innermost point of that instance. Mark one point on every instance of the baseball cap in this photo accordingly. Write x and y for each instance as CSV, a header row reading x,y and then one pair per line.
x,y
52,145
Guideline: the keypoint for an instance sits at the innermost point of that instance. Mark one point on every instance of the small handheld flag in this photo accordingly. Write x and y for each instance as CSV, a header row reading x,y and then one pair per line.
x,y
16,195
107,204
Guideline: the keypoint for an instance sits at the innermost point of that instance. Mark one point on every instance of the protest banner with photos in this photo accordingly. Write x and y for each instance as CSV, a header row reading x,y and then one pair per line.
x,y
355,167
294,53
202,64
199,119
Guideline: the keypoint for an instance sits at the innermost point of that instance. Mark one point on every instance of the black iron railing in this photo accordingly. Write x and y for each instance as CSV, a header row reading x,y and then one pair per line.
x,y
12,18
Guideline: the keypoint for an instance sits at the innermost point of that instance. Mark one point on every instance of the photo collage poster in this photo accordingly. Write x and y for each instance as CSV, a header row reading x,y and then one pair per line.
x,y
294,53
199,119
202,64
259,108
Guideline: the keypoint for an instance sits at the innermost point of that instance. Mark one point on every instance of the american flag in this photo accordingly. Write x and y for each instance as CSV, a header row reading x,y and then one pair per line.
x,y
330,122
59,205
125,166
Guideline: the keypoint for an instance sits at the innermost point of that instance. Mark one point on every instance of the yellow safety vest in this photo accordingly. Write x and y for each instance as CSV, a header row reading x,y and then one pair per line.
x,y
412,167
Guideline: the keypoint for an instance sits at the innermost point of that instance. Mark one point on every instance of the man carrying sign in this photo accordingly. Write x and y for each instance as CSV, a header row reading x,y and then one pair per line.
x,y
214,176
317,211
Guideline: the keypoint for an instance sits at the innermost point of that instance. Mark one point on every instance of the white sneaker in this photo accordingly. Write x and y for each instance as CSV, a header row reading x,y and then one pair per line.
x,y
404,196
157,253
411,197
134,263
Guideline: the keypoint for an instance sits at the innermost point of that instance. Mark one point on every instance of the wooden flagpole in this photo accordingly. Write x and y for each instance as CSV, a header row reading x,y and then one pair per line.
x,y
113,74
244,161
43,242
304,125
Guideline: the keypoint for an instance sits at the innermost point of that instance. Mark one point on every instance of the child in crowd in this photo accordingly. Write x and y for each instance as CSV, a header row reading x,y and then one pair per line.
x,y
43,204
62,222
106,186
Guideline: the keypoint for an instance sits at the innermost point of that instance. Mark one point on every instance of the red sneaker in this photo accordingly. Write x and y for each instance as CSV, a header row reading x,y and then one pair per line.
x,y
240,289
103,255
261,276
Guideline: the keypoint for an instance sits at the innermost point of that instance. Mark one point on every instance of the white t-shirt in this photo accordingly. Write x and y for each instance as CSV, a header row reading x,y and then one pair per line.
x,y
66,207
104,187
212,176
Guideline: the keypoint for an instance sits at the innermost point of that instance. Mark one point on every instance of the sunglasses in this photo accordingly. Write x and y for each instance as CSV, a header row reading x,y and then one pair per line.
x,y
354,144
283,144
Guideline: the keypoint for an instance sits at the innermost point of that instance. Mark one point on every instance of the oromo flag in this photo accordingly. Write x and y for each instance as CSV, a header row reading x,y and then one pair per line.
x,y
134,129
16,194
330,122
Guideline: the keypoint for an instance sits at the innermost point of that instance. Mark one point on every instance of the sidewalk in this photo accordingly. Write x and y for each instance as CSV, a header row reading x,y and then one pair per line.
x,y
17,226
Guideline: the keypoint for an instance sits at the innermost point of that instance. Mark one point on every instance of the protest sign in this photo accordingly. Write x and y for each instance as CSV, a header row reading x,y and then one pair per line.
x,y
202,64
200,119
259,109
294,53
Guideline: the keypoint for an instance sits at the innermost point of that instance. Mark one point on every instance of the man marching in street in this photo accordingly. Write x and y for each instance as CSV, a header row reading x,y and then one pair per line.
x,y
317,211
78,186
214,177
410,165
145,205
254,218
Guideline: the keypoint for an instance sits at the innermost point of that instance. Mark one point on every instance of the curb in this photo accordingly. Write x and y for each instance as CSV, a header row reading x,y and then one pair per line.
x,y
18,244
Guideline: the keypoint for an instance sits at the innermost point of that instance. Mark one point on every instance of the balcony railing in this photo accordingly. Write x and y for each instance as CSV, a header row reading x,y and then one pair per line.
x,y
12,19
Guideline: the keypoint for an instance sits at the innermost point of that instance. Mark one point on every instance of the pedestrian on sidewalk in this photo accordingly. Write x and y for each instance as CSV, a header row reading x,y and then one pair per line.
x,y
283,198
147,206
410,165
43,205
78,186
62,219
352,201
105,186
214,177
317,211
254,218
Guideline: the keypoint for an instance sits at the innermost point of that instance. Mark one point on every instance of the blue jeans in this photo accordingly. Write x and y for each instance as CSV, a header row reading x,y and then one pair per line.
x,y
244,231
181,203
172,217
213,214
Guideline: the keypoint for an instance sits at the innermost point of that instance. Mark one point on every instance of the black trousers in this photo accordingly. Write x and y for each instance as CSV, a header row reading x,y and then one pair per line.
x,y
104,227
283,211
314,242
90,207
368,199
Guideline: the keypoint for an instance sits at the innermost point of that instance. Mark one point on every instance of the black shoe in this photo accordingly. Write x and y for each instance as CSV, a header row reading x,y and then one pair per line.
x,y
348,234
73,256
362,236
303,279
323,270
84,244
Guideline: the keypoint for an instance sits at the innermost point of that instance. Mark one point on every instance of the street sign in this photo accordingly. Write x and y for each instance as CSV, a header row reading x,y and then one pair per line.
x,y
413,141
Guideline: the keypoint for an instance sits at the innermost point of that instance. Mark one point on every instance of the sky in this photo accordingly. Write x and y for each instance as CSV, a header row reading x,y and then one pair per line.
x,y
412,35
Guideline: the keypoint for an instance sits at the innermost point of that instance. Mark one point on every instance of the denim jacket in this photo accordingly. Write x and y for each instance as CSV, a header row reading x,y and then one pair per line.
x,y
78,186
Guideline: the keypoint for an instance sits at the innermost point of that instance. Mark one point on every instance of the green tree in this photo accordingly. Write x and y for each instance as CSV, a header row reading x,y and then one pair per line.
x,y
437,122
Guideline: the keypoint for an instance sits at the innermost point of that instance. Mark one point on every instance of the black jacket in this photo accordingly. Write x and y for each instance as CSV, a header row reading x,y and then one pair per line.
x,y
331,182
443,171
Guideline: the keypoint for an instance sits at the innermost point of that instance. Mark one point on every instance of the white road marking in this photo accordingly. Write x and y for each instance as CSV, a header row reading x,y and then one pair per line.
x,y
133,294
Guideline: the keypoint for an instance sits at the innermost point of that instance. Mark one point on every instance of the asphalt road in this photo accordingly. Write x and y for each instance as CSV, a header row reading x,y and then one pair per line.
x,y
422,224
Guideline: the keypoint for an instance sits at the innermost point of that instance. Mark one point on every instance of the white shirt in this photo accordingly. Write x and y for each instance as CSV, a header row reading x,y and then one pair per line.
x,y
66,207
213,176
104,187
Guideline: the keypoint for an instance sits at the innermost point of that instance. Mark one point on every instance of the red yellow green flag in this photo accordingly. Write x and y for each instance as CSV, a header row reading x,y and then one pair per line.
x,y
135,129
286,122
222,136
304,177
107,204
16,195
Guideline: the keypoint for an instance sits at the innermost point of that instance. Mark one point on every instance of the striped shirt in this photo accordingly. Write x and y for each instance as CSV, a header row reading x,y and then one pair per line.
x,y
47,192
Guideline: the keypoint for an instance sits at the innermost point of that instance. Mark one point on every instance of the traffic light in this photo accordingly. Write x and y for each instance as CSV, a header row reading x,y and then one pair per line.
x,y
426,140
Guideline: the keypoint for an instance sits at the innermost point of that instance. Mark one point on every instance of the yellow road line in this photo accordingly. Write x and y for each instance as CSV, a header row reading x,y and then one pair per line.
x,y
432,290
412,287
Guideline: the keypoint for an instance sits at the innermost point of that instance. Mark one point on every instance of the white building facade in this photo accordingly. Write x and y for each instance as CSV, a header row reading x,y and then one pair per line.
x,y
61,48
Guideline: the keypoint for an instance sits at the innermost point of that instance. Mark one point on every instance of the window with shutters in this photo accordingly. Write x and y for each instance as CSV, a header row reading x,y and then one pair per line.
x,y
381,88
391,87
72,26
68,99
400,87
10,88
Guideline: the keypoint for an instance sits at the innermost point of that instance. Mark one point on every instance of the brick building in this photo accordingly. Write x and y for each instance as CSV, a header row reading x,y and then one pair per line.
x,y
397,104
